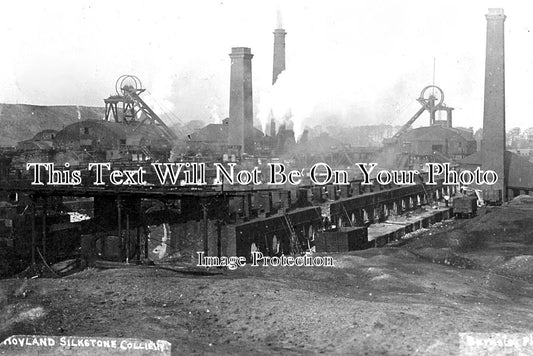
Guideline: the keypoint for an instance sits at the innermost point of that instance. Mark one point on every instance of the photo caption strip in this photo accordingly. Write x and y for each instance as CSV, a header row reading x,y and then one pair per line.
x,y
79,345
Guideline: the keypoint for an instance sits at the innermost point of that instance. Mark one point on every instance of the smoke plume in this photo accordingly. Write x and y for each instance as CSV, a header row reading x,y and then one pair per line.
x,y
287,102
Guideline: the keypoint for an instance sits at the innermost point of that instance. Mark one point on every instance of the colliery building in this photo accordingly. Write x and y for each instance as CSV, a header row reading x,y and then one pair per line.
x,y
110,141
212,141
93,141
41,141
453,143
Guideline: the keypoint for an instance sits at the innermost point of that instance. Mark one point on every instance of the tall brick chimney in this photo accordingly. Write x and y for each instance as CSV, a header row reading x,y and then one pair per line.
x,y
278,64
241,120
279,53
493,143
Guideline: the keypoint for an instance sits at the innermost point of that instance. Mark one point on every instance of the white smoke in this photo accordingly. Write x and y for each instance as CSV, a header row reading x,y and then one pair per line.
x,y
279,19
214,112
288,102
160,93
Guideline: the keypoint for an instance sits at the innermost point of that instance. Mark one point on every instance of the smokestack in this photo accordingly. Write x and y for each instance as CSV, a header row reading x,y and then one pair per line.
x,y
493,143
449,117
279,53
272,128
241,120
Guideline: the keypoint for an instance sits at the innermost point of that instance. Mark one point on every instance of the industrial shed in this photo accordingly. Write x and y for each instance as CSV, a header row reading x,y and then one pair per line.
x,y
518,172
143,142
212,139
43,140
454,143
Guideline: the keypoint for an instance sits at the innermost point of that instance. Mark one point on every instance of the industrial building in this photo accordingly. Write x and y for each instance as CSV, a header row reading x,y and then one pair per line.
x,y
43,140
107,141
445,144
438,142
212,141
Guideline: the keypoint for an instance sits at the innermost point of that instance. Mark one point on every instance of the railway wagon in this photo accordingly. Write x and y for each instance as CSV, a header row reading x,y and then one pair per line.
x,y
464,207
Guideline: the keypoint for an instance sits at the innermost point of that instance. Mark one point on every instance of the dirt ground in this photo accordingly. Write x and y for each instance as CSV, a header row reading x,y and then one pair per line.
x,y
471,275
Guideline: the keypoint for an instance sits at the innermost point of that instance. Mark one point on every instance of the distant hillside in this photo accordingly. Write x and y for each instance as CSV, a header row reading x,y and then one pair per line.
x,y
20,122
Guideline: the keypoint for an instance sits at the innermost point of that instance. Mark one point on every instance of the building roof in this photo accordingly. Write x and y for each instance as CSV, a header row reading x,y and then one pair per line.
x,y
44,133
216,133
122,131
435,133
518,169
36,145
211,133
473,159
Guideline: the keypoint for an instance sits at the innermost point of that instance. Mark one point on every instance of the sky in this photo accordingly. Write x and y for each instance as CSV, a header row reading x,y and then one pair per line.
x,y
348,62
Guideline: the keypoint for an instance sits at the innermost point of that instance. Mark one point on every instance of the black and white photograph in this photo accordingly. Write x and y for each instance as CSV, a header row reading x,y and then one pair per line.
x,y
266,177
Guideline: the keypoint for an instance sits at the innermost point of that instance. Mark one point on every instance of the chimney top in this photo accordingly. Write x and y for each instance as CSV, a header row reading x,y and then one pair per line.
x,y
239,50
496,13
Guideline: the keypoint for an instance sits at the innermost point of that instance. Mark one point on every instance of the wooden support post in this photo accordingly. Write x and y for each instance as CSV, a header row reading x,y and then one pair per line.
x,y
45,200
249,203
138,244
33,229
145,244
119,226
145,230
206,245
127,238
219,239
